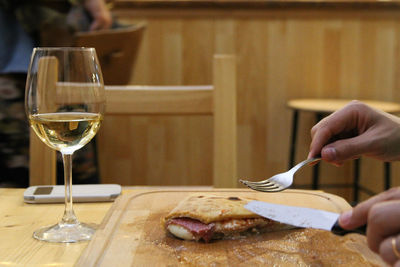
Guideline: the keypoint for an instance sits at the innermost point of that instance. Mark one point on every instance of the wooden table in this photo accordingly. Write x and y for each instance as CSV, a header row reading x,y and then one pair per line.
x,y
18,220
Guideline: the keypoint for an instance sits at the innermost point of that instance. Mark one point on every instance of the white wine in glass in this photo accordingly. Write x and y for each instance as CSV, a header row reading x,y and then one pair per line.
x,y
65,103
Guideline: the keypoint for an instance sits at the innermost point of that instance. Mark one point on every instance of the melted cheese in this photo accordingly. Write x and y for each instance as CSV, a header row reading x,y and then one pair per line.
x,y
180,231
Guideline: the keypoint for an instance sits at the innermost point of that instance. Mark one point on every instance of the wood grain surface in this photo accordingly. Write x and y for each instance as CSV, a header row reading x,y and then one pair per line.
x,y
282,54
18,221
131,235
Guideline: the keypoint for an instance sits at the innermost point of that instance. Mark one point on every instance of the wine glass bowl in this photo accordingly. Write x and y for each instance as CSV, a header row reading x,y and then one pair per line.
x,y
65,103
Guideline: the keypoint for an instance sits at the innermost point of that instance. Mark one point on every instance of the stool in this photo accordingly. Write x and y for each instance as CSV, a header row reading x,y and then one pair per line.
x,y
321,108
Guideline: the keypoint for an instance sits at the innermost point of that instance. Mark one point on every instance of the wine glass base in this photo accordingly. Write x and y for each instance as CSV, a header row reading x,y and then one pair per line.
x,y
65,233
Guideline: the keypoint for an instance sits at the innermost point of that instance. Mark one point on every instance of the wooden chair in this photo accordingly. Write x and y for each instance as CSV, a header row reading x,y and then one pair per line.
x,y
116,49
218,100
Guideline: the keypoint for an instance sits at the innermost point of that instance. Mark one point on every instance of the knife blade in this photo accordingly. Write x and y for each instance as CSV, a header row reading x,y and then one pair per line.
x,y
301,217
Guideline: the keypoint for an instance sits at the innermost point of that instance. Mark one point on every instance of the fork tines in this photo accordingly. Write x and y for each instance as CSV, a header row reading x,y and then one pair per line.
x,y
263,186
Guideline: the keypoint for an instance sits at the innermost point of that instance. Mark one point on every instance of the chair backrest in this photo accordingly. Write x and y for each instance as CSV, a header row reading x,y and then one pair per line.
x,y
116,49
218,100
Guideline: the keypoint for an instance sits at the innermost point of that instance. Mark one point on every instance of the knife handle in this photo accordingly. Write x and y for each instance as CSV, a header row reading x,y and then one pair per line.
x,y
338,230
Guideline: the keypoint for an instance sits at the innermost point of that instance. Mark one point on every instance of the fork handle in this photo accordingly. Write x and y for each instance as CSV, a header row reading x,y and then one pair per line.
x,y
303,163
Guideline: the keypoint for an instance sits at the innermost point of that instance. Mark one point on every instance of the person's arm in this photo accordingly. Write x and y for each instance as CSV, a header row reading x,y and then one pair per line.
x,y
100,14
356,130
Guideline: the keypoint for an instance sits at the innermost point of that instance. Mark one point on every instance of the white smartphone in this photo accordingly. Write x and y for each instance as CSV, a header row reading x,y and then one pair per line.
x,y
80,193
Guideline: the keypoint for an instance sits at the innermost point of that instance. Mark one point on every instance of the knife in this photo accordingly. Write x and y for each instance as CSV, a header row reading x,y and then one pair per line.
x,y
301,217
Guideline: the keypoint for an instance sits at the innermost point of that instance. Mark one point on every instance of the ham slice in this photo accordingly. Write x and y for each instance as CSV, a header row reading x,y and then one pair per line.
x,y
198,229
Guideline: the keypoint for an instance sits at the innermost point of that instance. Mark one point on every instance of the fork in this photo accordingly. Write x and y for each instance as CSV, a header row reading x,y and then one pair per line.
x,y
279,181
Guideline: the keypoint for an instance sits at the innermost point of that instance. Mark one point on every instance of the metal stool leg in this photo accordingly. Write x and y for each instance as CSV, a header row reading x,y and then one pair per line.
x,y
356,181
293,138
315,182
315,178
387,167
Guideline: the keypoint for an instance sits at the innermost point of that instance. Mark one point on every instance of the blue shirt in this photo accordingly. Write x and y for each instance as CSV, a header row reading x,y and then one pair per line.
x,y
15,45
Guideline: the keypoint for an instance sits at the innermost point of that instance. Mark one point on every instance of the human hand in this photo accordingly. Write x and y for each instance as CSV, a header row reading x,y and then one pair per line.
x,y
356,130
100,14
381,214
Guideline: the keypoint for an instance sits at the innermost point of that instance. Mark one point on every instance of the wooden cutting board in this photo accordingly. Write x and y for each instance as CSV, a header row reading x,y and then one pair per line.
x,y
131,235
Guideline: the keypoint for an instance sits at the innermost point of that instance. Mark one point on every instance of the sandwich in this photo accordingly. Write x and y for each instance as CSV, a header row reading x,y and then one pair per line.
x,y
210,217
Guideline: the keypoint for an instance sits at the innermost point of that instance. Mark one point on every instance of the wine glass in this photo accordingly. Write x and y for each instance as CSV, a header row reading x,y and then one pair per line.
x,y
65,103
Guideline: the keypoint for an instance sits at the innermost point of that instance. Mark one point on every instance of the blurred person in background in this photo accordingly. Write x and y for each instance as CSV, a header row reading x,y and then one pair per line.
x,y
349,133
25,24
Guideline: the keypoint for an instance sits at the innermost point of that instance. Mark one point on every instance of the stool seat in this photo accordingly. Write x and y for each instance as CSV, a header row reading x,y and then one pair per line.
x,y
331,105
323,107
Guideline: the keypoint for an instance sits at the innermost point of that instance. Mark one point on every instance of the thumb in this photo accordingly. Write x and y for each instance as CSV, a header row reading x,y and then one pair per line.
x,y
345,219
344,149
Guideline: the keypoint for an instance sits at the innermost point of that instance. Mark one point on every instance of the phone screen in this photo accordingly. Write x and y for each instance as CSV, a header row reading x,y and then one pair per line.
x,y
43,190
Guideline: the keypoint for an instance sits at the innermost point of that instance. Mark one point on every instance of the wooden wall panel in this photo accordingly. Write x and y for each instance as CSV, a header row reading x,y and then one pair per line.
x,y
282,54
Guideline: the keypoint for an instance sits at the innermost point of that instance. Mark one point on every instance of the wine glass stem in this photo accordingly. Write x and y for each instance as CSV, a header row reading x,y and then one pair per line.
x,y
69,215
